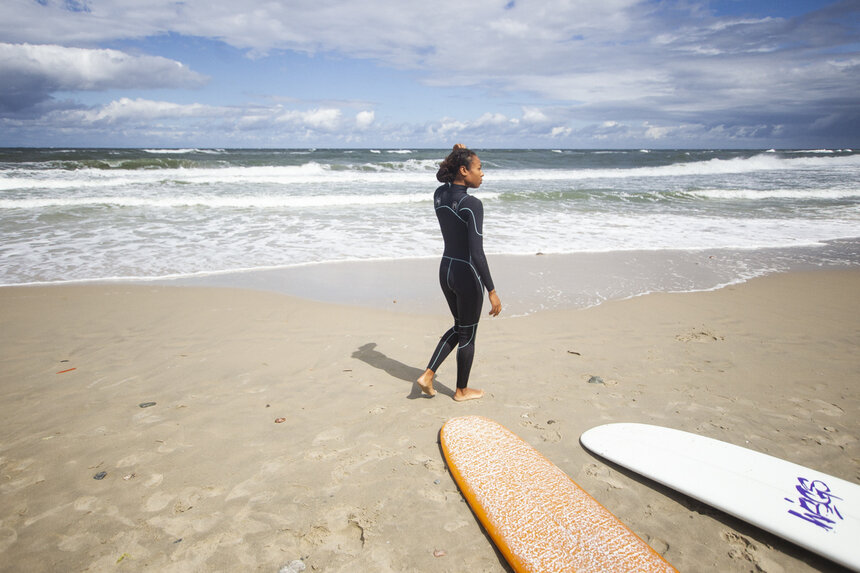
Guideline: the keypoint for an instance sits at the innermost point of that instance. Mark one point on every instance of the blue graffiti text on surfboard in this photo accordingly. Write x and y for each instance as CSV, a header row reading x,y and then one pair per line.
x,y
817,503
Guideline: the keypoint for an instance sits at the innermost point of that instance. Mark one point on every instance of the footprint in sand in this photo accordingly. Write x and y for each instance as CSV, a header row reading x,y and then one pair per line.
x,y
316,535
76,542
805,408
702,334
432,464
19,475
546,433
603,474
830,438
344,532
158,501
742,549
352,463
329,435
85,503
826,408
657,544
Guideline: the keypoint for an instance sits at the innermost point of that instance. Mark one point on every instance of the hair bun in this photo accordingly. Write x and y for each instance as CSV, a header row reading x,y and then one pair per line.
x,y
461,156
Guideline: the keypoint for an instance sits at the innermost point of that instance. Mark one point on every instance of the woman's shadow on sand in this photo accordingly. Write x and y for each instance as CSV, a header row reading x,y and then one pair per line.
x,y
368,354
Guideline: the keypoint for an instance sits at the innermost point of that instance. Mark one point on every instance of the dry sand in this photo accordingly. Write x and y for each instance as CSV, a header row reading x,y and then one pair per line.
x,y
352,479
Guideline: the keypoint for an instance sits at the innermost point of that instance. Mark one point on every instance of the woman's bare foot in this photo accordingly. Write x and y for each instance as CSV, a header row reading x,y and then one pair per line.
x,y
426,383
463,394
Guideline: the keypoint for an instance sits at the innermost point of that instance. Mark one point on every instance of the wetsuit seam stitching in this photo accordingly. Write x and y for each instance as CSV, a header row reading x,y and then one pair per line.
x,y
471,266
453,333
473,218
456,214
471,337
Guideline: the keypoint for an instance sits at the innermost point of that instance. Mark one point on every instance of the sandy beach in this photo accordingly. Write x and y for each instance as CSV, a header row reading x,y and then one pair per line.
x,y
242,430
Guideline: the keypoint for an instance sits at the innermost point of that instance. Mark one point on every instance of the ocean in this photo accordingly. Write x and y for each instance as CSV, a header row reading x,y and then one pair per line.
x,y
71,215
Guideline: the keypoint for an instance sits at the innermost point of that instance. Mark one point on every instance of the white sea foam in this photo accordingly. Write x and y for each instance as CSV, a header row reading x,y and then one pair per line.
x,y
258,209
601,232
309,173
764,194
233,201
171,151
412,171
694,168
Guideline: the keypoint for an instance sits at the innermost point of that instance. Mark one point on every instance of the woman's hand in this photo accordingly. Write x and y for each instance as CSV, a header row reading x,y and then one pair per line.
x,y
497,304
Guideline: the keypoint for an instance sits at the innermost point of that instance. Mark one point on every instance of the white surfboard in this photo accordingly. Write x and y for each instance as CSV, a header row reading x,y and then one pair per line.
x,y
814,510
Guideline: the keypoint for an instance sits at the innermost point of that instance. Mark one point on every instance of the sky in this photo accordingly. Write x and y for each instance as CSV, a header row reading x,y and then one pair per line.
x,y
488,73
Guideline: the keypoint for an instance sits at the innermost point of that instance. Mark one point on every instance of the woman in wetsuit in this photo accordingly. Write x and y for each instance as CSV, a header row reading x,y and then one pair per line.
x,y
463,272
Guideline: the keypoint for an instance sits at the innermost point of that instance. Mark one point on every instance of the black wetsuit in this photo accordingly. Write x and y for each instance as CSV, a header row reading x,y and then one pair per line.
x,y
463,273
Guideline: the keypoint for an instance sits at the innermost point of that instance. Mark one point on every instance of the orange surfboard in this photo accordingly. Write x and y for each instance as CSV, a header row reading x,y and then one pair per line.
x,y
539,518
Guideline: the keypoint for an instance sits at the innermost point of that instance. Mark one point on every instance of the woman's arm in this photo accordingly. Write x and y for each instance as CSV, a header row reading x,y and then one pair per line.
x,y
475,225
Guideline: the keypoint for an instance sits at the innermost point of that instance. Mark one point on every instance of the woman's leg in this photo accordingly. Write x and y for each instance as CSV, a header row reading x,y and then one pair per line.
x,y
470,299
449,340
443,349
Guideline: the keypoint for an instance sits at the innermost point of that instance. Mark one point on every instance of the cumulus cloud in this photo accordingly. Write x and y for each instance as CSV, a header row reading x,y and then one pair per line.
x,y
146,119
31,73
314,25
326,119
494,129
668,65
127,110
534,115
364,119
